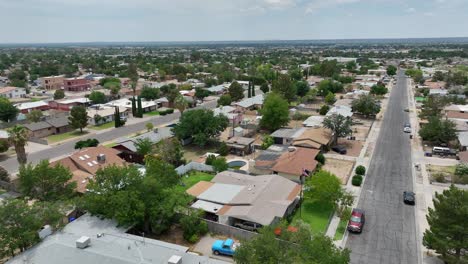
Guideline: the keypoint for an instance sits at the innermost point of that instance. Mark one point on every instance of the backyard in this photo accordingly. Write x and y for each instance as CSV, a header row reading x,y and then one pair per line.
x,y
193,152
316,214
64,136
193,178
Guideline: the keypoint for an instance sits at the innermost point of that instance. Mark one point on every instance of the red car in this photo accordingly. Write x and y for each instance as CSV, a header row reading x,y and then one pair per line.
x,y
357,220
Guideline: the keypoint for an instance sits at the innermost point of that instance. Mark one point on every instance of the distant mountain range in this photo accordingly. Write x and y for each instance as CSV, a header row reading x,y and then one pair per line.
x,y
401,41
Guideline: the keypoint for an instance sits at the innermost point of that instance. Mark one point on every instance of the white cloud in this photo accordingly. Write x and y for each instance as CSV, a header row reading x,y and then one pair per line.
x,y
315,5
410,10
430,14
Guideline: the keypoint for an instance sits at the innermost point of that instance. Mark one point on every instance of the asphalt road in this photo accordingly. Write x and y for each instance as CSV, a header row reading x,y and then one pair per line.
x,y
389,234
11,164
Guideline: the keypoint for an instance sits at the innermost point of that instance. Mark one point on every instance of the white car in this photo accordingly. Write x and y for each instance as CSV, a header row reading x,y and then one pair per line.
x,y
407,129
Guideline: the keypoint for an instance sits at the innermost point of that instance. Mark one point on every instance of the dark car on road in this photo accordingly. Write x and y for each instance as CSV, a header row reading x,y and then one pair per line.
x,y
357,220
408,198
339,149
248,226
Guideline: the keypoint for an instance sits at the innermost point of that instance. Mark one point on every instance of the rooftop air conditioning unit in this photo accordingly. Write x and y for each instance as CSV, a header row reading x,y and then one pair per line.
x,y
45,231
83,242
101,158
175,260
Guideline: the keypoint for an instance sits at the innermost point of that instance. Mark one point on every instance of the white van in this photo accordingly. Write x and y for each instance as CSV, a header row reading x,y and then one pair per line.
x,y
441,151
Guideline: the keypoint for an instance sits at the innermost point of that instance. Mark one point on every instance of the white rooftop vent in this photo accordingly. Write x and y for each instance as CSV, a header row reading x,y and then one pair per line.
x,y
90,164
86,156
94,162
83,242
81,158
174,259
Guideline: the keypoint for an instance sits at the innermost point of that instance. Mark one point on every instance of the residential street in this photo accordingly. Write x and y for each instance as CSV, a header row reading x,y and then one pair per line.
x,y
67,147
389,235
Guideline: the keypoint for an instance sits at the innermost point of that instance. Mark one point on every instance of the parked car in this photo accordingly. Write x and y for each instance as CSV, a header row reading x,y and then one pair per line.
x,y
408,198
407,129
357,220
224,247
443,151
248,226
339,149
407,125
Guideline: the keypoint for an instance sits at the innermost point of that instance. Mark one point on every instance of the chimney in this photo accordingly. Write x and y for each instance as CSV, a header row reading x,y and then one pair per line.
x,y
83,242
101,158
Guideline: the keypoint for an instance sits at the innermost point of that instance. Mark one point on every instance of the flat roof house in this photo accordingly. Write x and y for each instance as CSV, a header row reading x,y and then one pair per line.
x,y
251,103
68,104
240,145
106,114
12,92
52,82
232,197
108,243
76,84
28,107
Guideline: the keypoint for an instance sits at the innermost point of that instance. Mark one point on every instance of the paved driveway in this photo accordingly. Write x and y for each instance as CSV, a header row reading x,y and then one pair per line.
x,y
204,247
389,235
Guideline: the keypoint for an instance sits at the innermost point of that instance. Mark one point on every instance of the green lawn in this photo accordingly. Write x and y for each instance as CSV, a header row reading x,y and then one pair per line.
x,y
193,178
104,126
152,113
64,136
2,191
315,214
340,231
110,145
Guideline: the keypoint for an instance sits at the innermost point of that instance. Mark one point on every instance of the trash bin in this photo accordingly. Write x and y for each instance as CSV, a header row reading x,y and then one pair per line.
x,y
411,136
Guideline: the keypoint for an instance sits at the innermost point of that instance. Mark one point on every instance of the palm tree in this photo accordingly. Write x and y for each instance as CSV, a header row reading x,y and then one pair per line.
x,y
180,103
18,136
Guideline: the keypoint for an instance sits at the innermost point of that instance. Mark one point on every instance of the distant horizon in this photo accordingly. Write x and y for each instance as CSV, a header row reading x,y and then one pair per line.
x,y
463,38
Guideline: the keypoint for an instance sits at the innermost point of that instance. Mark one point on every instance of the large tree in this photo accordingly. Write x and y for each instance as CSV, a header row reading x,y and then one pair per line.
x,y
34,116
180,103
284,86
365,105
236,91
391,70
438,130
448,228
150,93
8,111
275,112
78,118
18,136
20,222
326,86
149,202
97,97
143,146
323,187
339,125
302,88
290,247
171,151
45,182
224,99
379,89
59,94
201,124
433,106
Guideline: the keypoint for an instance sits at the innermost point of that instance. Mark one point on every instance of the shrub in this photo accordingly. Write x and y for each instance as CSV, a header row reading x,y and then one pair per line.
x,y
357,180
360,170
223,149
209,160
193,226
439,177
91,142
4,175
219,164
4,145
324,109
320,158
300,116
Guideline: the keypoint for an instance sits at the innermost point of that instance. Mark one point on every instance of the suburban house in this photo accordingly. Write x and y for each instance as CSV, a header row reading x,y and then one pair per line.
x,y
313,121
251,103
77,84
12,92
234,117
162,102
104,114
218,89
51,126
127,147
456,111
438,92
85,163
52,82
91,239
463,140
289,162
147,106
28,107
241,145
345,111
316,138
285,136
68,104
234,197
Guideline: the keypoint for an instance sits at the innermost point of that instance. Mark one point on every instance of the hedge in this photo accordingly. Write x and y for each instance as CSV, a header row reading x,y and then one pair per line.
x,y
360,170
357,180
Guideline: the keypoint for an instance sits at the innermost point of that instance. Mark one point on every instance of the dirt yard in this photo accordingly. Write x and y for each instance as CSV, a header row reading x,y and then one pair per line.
x,y
195,153
341,168
353,147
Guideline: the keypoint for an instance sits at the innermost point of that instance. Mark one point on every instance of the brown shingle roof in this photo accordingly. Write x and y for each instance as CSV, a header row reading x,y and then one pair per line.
x,y
313,137
294,162
458,115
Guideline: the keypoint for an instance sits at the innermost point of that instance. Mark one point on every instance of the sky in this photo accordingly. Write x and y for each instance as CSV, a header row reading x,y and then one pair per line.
x,y
60,21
